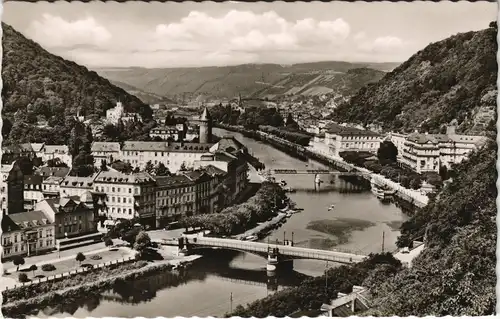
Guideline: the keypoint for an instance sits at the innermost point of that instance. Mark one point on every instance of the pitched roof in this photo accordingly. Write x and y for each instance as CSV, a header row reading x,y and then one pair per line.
x,y
139,146
77,181
122,178
173,181
26,220
212,170
105,147
52,171
49,149
334,128
205,116
229,144
53,180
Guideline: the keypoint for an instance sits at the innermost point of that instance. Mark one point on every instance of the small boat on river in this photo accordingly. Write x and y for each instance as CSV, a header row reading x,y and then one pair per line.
x,y
331,207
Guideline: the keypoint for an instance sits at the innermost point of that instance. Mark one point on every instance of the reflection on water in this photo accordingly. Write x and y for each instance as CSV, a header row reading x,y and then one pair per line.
x,y
187,292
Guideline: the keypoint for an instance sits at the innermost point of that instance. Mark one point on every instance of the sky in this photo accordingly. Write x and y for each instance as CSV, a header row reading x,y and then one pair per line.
x,y
154,35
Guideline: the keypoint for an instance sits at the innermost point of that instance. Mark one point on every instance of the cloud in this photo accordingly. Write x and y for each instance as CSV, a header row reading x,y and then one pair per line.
x,y
386,44
54,31
202,39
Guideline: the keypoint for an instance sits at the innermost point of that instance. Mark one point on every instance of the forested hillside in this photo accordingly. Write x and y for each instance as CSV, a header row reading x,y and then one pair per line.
x,y
453,79
455,274
39,87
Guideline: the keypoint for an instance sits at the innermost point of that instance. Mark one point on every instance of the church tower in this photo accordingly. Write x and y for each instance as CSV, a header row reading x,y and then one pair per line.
x,y
205,127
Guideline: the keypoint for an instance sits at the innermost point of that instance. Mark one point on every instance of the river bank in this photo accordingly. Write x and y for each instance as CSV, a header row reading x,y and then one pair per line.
x,y
411,196
30,299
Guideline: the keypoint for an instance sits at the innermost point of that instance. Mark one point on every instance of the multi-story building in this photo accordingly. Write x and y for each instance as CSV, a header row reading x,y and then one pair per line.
x,y
398,140
51,187
105,151
12,189
72,216
125,196
428,152
32,191
175,198
38,149
12,153
76,185
167,132
114,115
206,196
50,152
338,139
27,233
172,154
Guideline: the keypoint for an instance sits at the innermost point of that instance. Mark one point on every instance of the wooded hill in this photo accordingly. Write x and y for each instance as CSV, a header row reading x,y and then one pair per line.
x,y
41,86
453,79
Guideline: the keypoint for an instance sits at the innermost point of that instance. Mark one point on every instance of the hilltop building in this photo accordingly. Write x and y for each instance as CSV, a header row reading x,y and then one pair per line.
x,y
114,115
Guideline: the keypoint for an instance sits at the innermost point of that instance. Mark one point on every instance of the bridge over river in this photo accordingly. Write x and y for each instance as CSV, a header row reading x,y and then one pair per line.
x,y
284,252
316,171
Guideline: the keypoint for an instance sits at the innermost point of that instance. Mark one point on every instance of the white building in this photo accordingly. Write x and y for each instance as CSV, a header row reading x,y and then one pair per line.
x,y
114,115
105,151
27,233
76,185
32,190
167,131
338,139
172,155
398,140
127,195
50,152
427,152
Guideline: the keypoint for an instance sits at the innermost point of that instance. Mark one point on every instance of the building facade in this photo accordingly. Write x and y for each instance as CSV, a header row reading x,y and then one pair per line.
x,y
114,115
32,191
126,196
27,234
428,152
72,216
50,152
51,187
76,185
12,189
166,133
105,151
172,155
175,198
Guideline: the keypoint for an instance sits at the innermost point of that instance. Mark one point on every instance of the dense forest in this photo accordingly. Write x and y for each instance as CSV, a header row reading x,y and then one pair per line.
x,y
448,80
39,87
457,269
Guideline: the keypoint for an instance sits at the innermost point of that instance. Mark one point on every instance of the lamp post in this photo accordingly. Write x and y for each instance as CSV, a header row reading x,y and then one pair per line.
x,y
284,237
292,238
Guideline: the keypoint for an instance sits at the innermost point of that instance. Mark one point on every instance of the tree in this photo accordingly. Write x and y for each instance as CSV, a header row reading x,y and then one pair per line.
x,y
80,257
142,241
33,268
104,165
23,277
18,261
443,172
387,153
162,170
149,167
183,167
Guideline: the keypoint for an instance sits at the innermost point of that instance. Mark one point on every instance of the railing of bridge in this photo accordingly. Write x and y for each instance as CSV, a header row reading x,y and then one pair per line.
x,y
316,171
289,251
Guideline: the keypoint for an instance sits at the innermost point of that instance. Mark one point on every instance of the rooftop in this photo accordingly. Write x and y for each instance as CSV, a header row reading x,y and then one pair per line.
x,y
56,149
118,177
37,147
166,147
173,181
76,181
53,180
337,129
24,220
105,147
52,171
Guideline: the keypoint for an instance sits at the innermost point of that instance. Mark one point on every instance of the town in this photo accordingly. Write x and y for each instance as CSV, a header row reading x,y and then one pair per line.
x,y
184,162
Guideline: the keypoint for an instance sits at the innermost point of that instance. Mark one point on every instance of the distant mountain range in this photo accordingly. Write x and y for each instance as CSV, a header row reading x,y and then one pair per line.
x,y
249,80
450,81
146,97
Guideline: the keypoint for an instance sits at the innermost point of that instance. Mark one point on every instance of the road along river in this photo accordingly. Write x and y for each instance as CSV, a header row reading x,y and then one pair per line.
x,y
358,222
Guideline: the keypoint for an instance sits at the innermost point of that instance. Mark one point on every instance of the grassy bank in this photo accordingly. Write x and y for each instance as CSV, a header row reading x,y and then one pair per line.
x,y
27,299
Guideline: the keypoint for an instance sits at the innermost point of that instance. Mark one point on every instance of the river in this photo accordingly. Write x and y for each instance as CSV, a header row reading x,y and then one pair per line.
x,y
357,223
